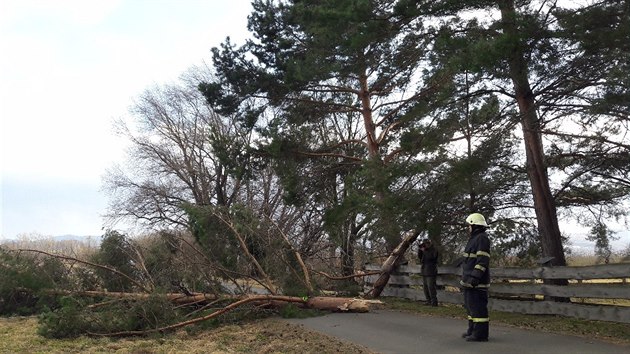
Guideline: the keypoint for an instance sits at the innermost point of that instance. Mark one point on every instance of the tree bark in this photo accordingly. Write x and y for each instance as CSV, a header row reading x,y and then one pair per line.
x,y
368,120
544,203
374,150
347,249
391,263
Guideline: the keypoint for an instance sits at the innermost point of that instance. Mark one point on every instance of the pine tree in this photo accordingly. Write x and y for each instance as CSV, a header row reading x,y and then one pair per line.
x,y
553,74
363,100
338,65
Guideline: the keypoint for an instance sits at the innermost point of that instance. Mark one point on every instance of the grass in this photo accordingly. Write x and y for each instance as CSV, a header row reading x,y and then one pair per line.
x,y
581,259
19,335
607,331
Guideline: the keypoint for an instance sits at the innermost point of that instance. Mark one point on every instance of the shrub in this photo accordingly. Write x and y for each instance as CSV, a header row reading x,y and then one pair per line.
x,y
116,251
25,279
65,322
75,317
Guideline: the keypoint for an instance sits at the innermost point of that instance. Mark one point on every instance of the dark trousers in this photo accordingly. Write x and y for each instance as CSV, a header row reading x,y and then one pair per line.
x,y
429,286
476,303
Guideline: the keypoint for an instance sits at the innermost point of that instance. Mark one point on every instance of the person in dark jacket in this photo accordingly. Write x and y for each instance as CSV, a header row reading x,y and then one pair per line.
x,y
476,279
428,256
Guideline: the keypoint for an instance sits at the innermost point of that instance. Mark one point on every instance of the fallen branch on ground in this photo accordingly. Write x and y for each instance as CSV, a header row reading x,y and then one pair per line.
x,y
357,275
320,303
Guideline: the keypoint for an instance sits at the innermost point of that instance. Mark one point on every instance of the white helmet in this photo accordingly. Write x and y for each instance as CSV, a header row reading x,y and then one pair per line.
x,y
476,219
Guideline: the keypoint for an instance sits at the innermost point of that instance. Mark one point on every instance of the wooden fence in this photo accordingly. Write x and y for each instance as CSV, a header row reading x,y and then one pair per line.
x,y
600,292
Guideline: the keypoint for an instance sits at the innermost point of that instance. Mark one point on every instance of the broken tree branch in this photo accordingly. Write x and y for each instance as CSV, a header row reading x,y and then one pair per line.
x,y
298,256
321,303
357,275
391,263
267,280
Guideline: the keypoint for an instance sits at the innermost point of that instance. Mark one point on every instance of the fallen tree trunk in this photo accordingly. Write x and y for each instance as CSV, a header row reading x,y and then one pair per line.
x,y
325,303
176,298
391,263
201,301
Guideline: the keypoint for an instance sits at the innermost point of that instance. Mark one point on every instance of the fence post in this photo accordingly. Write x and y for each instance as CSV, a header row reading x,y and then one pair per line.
x,y
546,263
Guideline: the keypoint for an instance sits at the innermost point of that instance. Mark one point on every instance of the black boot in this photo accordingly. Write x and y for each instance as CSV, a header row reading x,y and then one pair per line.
x,y
469,331
472,338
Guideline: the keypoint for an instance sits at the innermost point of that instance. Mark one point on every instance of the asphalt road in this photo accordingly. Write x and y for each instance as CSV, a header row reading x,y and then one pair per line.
x,y
386,331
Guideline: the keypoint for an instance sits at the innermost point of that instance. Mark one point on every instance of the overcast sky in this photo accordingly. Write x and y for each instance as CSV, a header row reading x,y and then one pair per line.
x,y
68,69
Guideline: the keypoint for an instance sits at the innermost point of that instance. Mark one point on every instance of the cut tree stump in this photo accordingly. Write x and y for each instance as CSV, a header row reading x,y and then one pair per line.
x,y
342,304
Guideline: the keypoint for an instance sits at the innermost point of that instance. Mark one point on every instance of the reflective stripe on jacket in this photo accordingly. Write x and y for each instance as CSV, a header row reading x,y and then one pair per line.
x,y
477,258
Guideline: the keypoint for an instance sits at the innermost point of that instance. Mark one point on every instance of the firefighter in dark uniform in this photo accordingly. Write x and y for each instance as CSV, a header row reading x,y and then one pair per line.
x,y
476,279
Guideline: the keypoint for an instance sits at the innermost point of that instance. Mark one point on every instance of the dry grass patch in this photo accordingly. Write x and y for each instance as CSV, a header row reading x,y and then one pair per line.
x,y
19,335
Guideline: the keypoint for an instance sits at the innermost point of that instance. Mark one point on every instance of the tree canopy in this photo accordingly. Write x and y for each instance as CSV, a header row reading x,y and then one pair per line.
x,y
371,118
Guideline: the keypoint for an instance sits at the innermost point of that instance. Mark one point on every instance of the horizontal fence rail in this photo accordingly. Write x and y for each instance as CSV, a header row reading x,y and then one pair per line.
x,y
600,292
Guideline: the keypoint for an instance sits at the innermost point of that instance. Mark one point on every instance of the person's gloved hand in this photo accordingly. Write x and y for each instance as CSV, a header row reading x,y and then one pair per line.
x,y
473,281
